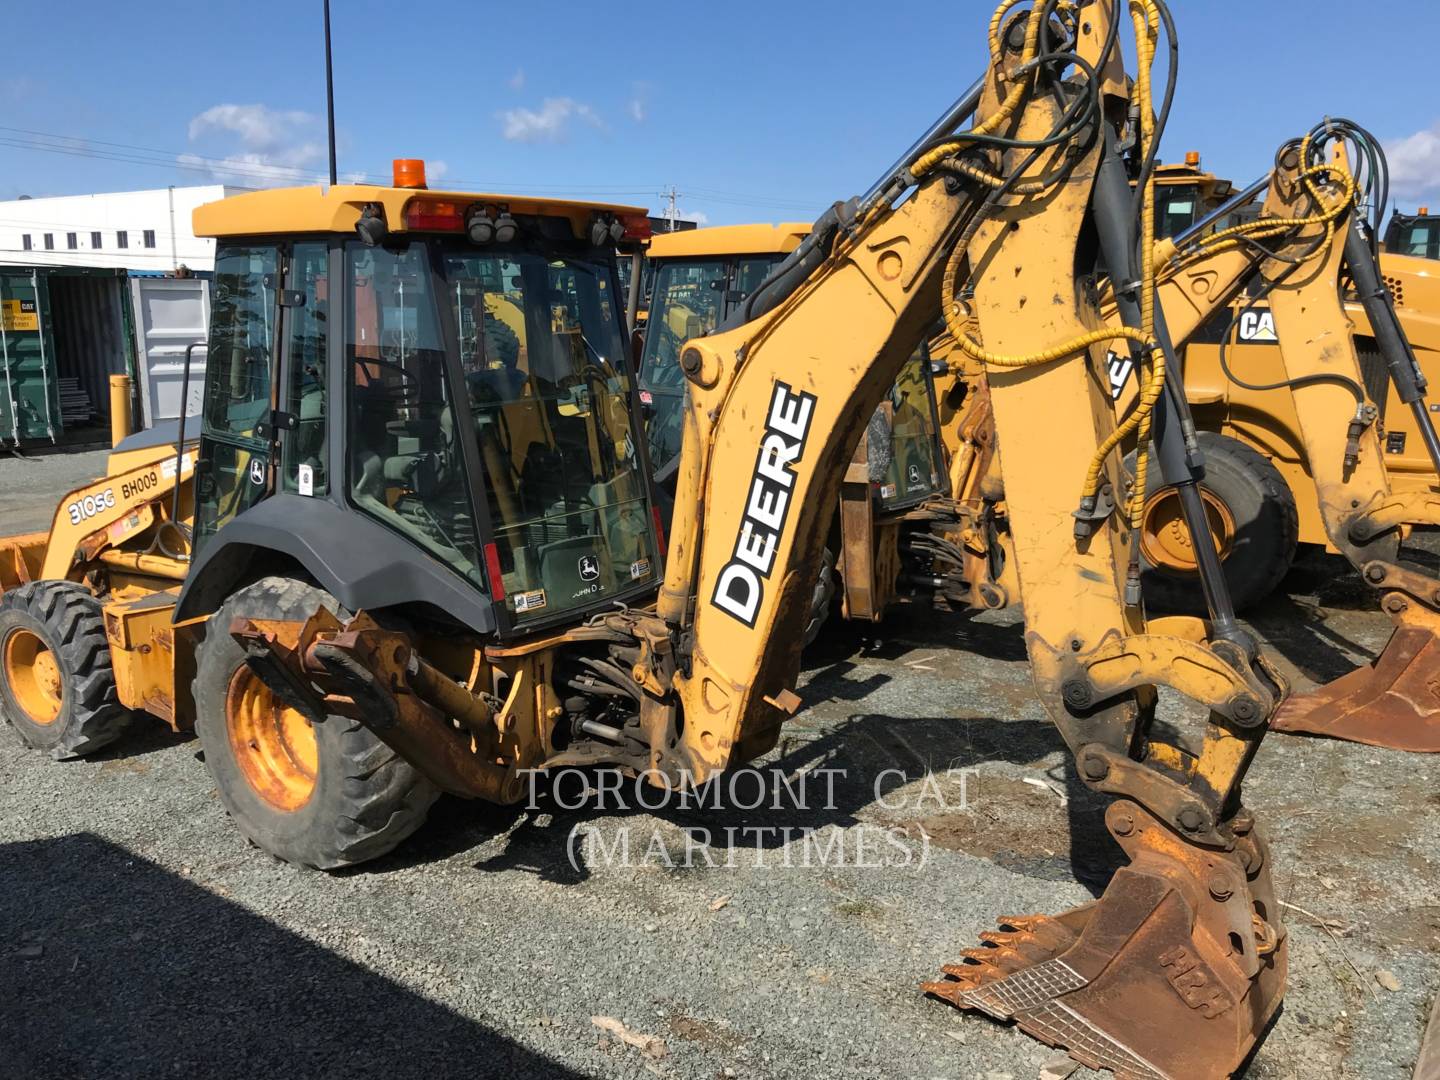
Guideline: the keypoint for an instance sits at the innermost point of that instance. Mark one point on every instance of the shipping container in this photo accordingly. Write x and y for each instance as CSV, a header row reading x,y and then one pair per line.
x,y
171,314
65,330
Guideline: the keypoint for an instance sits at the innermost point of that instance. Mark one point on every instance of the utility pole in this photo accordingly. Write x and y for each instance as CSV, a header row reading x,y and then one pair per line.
x,y
672,214
330,96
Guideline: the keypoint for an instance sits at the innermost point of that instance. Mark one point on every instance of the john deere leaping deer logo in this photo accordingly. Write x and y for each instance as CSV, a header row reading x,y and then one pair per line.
x,y
589,568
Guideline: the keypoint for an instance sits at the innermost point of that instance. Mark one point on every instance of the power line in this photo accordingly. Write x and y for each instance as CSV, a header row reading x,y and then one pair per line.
x,y
100,149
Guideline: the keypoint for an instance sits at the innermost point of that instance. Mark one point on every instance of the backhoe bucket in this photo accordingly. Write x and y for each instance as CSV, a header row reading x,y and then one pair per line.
x,y
1173,974
1395,702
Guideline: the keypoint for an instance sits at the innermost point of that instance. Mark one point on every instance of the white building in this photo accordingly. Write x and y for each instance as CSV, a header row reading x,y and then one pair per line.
x,y
132,230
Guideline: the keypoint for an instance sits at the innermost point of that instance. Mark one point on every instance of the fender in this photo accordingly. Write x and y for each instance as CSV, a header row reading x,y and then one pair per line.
x,y
358,561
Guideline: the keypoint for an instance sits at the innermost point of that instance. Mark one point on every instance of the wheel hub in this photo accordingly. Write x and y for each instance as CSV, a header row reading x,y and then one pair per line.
x,y
1165,539
34,676
273,744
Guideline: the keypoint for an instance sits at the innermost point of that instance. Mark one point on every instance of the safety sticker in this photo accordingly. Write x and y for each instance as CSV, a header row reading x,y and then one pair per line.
x,y
639,568
529,601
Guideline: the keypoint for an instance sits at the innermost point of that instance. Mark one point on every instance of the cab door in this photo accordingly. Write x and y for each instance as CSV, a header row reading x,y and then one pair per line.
x,y
264,408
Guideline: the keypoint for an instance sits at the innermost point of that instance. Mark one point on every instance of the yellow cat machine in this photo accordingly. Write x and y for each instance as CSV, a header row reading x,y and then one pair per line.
x,y
421,569
1311,412
702,277
1262,490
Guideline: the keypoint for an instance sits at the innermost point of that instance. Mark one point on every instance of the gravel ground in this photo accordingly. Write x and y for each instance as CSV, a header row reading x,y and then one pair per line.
x,y
31,486
140,936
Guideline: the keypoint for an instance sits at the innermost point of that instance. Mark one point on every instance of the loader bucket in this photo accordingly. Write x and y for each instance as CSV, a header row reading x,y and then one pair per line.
x,y
1394,703
20,559
1173,974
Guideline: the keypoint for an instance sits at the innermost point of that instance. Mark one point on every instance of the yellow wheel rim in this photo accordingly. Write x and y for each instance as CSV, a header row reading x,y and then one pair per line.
x,y
1164,539
273,744
34,677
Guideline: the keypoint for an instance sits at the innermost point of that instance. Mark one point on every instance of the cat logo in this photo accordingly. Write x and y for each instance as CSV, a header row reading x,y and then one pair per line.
x,y
1119,368
1257,326
589,568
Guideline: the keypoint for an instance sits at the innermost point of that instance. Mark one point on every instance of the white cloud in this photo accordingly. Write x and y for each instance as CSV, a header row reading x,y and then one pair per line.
x,y
697,216
276,146
638,107
435,170
517,81
1415,163
549,123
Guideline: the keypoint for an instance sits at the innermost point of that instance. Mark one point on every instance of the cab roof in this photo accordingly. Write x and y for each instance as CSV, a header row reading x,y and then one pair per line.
x,y
281,211
1177,173
729,240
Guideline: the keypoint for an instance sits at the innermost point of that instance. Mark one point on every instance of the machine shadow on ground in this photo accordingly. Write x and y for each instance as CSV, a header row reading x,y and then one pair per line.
x,y
873,756
114,967
756,809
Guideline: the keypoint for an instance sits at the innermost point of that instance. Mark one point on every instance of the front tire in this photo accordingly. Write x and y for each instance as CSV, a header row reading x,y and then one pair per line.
x,y
57,683
324,795
1251,508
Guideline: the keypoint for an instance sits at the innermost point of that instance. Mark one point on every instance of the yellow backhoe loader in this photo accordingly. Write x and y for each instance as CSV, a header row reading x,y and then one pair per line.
x,y
420,566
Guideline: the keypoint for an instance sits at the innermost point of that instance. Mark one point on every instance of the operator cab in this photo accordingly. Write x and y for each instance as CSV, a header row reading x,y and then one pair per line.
x,y
452,366
701,277
1185,193
1417,235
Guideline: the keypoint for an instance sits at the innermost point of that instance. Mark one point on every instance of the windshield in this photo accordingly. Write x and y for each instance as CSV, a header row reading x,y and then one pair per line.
x,y
689,300
542,360
1177,207
1418,237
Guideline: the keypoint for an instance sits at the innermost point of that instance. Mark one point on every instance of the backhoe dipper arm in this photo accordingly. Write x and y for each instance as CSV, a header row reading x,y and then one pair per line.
x,y
1175,971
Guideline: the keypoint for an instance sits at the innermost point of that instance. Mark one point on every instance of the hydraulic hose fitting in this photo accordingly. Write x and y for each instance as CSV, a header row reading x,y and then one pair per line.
x,y
1365,415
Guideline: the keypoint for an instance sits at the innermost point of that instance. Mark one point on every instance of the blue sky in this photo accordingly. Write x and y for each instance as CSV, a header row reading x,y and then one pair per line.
x,y
768,111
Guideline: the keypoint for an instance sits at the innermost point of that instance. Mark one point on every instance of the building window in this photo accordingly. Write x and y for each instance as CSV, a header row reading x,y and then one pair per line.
x,y
149,238
25,241
122,239
71,241
49,241
95,240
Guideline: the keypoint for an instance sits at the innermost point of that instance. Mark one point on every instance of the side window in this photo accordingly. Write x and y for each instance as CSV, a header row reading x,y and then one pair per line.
x,y
405,463
304,462
751,272
237,367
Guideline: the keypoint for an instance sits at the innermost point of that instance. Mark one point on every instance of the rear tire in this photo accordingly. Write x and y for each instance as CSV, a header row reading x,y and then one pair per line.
x,y
324,796
822,599
57,682
1244,490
